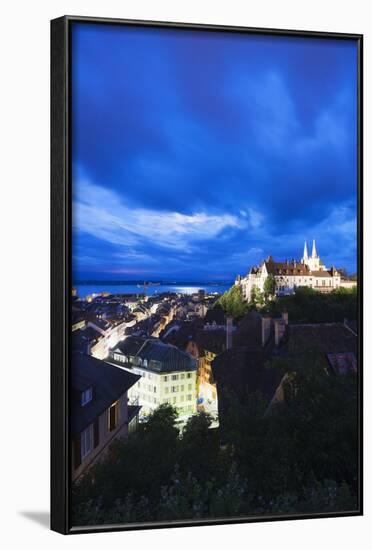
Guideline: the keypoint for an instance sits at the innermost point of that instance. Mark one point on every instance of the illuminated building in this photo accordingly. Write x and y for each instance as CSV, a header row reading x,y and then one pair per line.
x,y
290,275
168,375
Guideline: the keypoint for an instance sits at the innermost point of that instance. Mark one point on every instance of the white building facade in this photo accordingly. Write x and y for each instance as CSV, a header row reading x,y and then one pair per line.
x,y
168,375
289,275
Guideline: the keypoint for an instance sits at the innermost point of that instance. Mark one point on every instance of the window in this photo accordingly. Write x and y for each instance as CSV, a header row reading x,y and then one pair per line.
x,y
174,376
86,396
165,378
154,389
189,375
182,376
189,397
174,389
182,387
174,399
189,387
86,441
166,390
113,417
145,362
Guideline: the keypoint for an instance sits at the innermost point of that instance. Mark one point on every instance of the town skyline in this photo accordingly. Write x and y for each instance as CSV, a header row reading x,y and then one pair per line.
x,y
217,280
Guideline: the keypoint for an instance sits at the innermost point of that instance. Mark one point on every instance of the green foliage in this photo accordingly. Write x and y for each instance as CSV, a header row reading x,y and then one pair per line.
x,y
309,306
269,286
300,456
257,298
233,302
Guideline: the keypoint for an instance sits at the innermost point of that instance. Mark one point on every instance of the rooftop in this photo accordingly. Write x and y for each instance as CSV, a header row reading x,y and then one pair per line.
x,y
321,337
108,383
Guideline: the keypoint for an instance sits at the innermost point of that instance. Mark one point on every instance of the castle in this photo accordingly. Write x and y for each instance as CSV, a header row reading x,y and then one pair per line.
x,y
289,275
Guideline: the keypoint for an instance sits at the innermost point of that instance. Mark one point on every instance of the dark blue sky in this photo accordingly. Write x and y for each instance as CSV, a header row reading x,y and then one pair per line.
x,y
197,154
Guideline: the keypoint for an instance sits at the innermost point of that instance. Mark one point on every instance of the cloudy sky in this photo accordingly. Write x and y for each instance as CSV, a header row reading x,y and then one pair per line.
x,y
197,154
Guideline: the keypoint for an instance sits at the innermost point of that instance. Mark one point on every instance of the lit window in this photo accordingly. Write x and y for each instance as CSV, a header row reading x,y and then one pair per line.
x,y
86,396
86,441
113,417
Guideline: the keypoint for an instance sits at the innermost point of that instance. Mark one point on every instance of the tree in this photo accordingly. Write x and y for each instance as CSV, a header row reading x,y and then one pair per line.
x,y
269,286
309,306
233,302
256,298
301,456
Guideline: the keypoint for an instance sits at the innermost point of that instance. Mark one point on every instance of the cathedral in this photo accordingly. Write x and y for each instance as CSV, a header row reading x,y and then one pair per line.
x,y
289,275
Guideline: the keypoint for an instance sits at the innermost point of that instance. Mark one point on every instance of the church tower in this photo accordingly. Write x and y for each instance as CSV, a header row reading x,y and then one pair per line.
x,y
314,261
305,256
313,252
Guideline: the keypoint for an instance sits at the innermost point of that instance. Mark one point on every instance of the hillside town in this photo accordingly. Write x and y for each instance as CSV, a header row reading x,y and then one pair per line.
x,y
156,349
308,272
132,353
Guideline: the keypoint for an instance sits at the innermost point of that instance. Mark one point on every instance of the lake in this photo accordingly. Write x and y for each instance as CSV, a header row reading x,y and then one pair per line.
x,y
84,290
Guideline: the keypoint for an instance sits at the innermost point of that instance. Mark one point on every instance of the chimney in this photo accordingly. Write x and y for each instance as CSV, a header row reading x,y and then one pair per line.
x,y
279,331
229,331
285,317
265,329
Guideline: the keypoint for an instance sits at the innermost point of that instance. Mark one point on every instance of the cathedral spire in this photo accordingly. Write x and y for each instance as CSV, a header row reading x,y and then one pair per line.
x,y
305,255
313,253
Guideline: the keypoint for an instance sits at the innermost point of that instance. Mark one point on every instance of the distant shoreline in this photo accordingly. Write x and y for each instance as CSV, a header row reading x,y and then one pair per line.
x,y
151,282
88,288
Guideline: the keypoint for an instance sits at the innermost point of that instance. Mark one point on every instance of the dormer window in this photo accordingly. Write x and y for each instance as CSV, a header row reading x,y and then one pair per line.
x,y
86,396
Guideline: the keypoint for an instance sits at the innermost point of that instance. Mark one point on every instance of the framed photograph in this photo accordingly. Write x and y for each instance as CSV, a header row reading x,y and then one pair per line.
x,y
206,288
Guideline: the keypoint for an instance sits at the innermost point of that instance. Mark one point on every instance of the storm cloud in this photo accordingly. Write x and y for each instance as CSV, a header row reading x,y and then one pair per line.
x,y
196,154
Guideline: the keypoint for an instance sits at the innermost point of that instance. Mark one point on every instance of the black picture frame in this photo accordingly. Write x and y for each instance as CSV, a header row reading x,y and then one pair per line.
x,y
61,265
